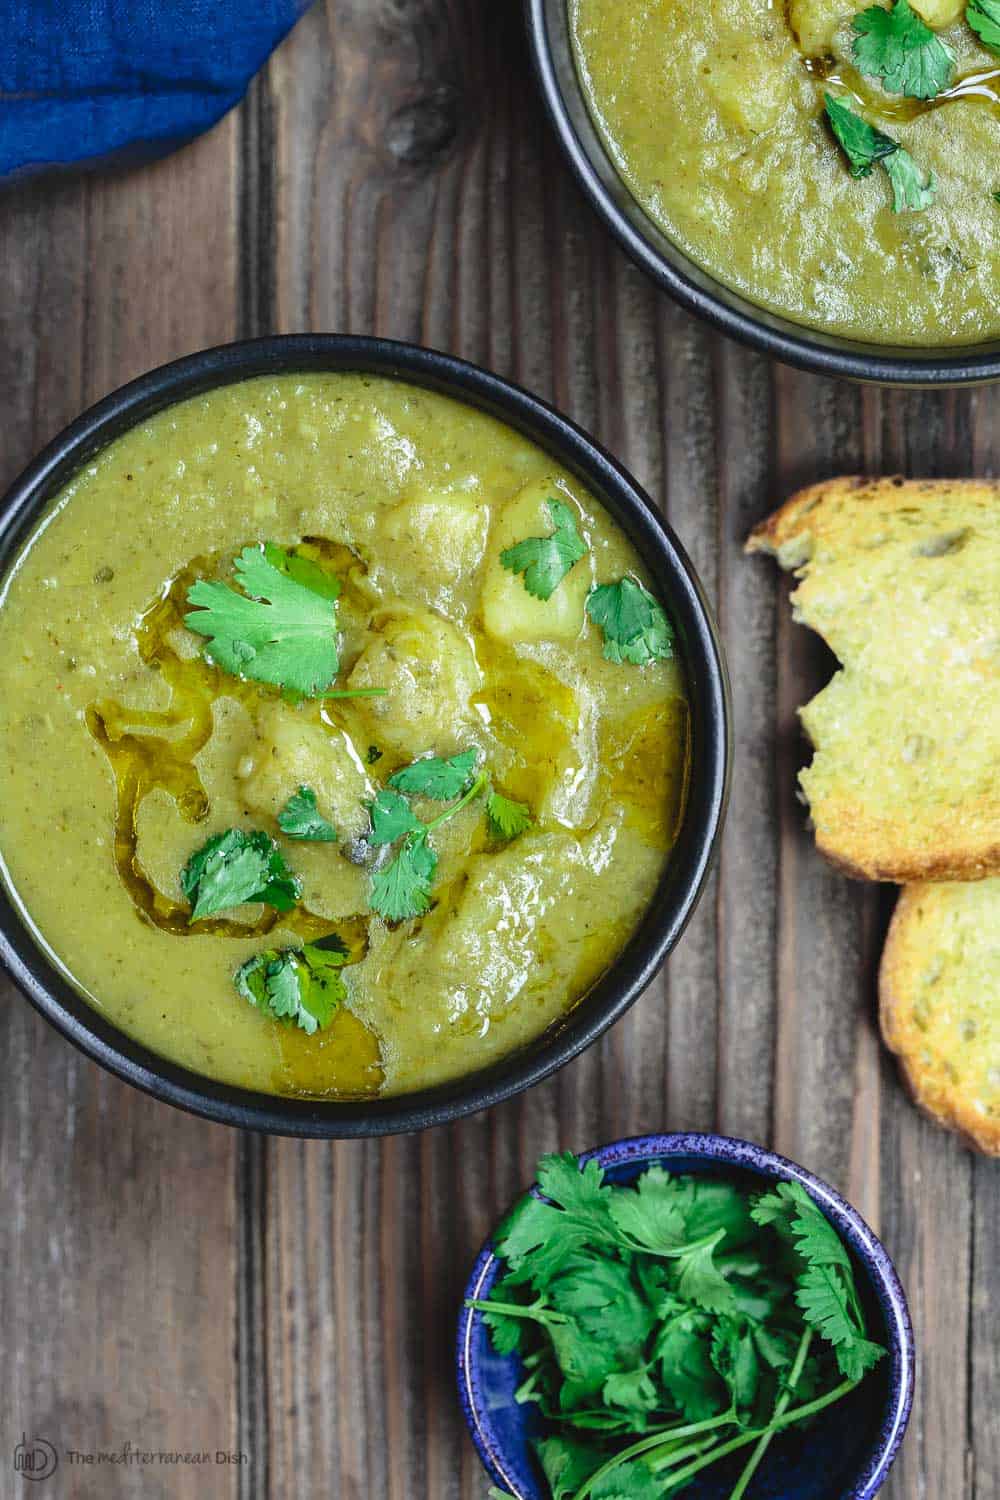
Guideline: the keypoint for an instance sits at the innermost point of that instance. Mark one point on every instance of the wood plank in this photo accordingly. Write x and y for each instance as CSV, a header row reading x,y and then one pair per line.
x,y
984,1353
820,962
117,1245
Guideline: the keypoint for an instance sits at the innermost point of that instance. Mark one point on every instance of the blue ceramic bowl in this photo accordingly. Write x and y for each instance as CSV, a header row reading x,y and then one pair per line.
x,y
844,1455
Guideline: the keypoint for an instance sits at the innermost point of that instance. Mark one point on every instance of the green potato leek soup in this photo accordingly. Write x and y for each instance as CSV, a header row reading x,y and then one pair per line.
x,y
344,741
835,161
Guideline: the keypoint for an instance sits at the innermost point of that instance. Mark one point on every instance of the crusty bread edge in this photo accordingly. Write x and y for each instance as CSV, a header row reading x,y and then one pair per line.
x,y
978,1133
768,536
935,869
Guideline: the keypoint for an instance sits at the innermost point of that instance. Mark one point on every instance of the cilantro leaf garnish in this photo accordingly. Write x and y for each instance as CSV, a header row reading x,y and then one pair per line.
x,y
507,819
984,18
440,780
403,888
303,986
667,1325
896,46
544,561
909,191
863,145
234,867
634,625
391,816
303,570
277,631
281,629
301,819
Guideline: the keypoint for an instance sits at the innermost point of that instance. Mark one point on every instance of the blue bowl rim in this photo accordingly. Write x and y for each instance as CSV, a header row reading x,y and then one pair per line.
x,y
43,983
748,1156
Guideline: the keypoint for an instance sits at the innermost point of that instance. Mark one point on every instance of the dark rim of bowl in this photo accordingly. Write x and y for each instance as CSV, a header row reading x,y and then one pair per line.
x,y
695,289
740,1155
46,987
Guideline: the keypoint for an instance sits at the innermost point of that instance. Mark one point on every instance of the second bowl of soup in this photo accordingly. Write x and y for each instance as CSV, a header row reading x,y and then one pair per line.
x,y
816,178
355,740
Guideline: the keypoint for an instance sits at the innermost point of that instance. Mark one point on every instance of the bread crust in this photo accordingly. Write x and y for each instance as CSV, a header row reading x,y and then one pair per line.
x,y
863,849
892,490
943,1102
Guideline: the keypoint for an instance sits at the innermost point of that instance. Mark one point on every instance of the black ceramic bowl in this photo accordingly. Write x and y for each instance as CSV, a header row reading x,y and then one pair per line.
x,y
695,289
675,899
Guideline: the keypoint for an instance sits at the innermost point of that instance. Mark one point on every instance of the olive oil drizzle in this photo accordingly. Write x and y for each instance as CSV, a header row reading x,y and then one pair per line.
x,y
982,84
154,749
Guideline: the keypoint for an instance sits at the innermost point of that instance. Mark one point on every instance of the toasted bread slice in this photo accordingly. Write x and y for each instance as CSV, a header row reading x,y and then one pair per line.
x,y
902,579
939,999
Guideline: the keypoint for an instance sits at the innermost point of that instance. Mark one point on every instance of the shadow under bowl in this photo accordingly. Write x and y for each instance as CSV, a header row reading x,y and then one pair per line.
x,y
845,1454
677,585
690,285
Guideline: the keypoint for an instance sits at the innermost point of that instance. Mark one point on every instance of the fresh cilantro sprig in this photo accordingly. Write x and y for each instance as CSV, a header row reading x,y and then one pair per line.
x,y
234,867
279,626
402,888
634,625
301,986
544,561
300,818
896,47
865,147
667,1325
984,18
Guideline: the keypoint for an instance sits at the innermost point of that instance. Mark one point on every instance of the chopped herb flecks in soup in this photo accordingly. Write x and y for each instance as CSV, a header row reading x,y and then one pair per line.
x,y
361,738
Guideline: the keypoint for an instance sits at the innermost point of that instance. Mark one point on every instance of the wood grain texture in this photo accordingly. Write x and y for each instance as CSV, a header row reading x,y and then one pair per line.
x,y
117,1238
391,172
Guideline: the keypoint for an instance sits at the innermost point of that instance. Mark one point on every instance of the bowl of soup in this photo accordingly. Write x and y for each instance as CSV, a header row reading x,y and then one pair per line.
x,y
817,179
365,740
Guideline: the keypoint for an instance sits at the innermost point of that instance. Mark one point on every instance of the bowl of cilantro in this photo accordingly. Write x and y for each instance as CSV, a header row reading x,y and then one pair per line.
x,y
685,1315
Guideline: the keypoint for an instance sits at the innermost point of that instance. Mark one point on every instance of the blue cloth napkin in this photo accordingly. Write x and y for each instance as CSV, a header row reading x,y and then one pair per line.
x,y
91,82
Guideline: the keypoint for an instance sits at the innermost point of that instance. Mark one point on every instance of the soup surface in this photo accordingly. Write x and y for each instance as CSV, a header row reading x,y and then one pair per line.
x,y
714,115
125,747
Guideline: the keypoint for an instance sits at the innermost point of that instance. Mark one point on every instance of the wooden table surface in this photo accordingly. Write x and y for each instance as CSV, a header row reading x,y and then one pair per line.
x,y
181,1287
